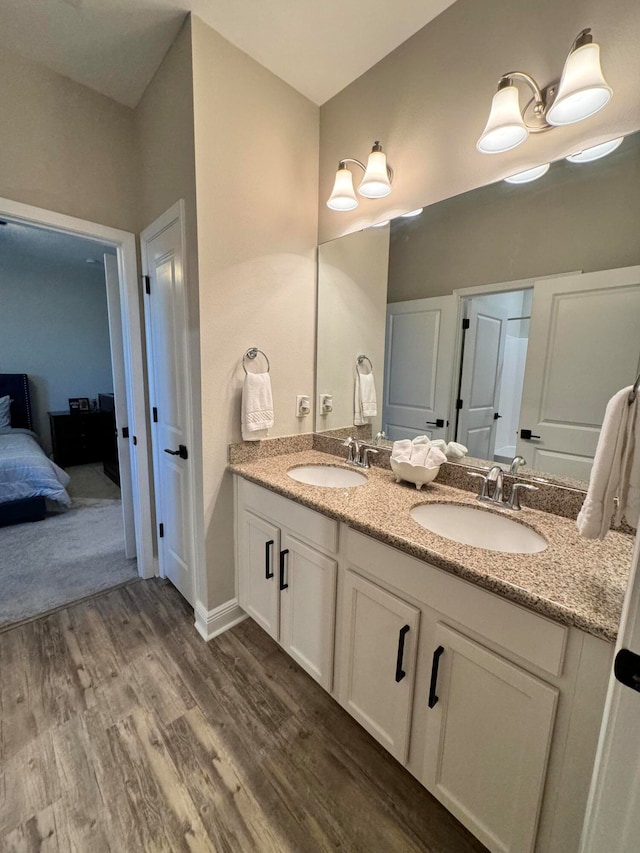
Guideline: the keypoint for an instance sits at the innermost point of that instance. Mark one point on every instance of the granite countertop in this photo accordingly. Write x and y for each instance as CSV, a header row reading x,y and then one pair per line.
x,y
576,581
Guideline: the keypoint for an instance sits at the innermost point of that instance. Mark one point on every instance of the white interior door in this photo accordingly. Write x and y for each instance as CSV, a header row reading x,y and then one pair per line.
x,y
167,348
482,375
418,367
584,345
120,400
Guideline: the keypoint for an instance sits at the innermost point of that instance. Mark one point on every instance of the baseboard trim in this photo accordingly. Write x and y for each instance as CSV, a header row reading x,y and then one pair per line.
x,y
210,623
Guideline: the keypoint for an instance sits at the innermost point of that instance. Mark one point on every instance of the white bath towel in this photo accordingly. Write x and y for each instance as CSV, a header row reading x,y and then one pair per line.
x,y
365,404
615,472
401,450
435,458
257,406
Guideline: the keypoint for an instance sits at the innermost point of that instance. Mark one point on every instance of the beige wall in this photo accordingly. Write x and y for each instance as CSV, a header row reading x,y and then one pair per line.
x,y
256,143
428,101
65,147
578,217
352,308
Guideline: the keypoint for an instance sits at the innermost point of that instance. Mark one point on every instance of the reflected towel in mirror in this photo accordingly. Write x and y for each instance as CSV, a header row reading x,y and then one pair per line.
x,y
365,404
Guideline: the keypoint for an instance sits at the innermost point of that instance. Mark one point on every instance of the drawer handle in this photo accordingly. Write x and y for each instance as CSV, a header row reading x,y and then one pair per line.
x,y
267,559
433,699
400,673
283,555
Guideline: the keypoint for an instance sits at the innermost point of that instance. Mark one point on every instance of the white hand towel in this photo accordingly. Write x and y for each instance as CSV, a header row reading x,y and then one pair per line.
x,y
435,458
364,403
419,454
454,450
401,450
441,444
422,439
616,470
257,406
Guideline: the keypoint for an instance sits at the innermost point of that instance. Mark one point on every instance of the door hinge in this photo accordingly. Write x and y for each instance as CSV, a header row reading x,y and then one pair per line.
x,y
147,283
125,432
466,323
161,530
155,415
458,404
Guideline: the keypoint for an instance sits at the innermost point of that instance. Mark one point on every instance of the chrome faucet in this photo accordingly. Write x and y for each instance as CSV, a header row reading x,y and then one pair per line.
x,y
496,475
359,452
516,462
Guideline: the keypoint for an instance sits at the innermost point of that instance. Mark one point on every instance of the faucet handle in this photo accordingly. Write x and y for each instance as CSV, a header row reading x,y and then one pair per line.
x,y
483,489
514,498
366,452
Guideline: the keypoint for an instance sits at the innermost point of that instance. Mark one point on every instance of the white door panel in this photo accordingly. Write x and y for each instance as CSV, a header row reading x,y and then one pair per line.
x,y
418,367
166,314
584,345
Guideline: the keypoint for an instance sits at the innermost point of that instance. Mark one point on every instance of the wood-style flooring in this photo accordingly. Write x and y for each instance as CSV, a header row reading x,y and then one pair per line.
x,y
122,730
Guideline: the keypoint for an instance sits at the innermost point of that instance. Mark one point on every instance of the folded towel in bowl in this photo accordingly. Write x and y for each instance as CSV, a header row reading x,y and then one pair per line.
x,y
419,454
435,458
455,450
422,439
401,450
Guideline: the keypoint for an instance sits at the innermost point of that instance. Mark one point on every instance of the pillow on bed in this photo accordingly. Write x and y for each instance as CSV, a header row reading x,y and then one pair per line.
x,y
5,412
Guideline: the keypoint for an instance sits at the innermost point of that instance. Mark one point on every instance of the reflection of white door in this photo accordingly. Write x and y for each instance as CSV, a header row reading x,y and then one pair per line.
x,y
120,400
481,376
584,345
418,367
166,316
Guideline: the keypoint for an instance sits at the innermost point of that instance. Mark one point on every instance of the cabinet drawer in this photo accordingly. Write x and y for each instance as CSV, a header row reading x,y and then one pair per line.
x,y
519,631
308,525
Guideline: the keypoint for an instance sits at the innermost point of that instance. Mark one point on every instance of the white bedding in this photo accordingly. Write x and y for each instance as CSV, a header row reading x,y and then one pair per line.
x,y
26,472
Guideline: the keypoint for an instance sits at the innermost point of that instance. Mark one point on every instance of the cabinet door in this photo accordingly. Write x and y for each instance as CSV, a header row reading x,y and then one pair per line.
x,y
378,658
258,551
307,580
488,736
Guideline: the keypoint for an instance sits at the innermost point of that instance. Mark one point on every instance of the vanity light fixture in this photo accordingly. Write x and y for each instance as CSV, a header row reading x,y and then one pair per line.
x,y
528,175
411,213
595,152
581,93
376,182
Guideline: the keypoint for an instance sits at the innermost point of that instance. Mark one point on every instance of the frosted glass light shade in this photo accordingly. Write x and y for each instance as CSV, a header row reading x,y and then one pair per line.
x,y
528,175
505,128
343,196
582,90
595,152
375,183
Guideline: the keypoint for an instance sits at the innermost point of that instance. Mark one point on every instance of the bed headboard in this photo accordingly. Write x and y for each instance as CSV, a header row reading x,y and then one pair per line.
x,y
16,386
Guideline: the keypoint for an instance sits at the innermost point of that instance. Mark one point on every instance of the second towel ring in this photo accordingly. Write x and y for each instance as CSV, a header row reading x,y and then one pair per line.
x,y
251,354
362,358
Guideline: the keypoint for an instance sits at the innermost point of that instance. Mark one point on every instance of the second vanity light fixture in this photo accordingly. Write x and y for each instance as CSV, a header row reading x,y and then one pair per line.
x,y
581,93
376,182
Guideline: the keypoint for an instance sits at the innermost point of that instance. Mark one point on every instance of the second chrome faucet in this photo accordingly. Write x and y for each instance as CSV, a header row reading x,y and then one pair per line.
x,y
494,494
359,452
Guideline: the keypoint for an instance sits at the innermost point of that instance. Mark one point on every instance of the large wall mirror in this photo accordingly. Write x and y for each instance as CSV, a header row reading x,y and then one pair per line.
x,y
503,318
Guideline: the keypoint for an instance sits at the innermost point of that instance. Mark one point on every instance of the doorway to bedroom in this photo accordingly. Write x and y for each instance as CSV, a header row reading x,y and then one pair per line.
x,y
65,532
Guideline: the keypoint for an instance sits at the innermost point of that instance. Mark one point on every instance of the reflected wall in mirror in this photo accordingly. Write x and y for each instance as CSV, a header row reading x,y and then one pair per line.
x,y
545,277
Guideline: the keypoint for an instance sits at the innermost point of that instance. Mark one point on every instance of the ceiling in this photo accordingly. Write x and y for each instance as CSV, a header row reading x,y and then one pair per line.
x,y
53,247
115,46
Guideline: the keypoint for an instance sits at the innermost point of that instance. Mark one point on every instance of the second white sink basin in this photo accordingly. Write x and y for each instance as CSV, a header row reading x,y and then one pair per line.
x,y
473,526
327,475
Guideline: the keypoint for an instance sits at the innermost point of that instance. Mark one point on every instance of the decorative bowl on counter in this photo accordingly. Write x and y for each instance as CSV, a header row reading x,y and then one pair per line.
x,y
417,474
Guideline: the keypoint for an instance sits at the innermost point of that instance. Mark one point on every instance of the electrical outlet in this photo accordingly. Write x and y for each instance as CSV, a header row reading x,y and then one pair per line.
x,y
303,405
326,403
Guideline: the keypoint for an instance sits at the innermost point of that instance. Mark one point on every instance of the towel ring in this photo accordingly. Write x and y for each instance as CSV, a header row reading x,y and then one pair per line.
x,y
361,359
634,391
251,354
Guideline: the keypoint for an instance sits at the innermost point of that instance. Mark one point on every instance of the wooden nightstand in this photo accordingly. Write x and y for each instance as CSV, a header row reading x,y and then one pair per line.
x,y
75,438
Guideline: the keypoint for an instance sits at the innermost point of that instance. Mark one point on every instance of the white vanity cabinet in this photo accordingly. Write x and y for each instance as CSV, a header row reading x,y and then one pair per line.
x,y
377,662
285,582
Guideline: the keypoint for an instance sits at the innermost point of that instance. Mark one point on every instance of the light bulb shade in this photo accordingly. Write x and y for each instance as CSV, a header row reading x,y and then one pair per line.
x,y
343,196
505,128
582,90
375,183
596,151
528,175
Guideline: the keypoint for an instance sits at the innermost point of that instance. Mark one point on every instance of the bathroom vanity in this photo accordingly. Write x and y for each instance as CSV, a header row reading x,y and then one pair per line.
x,y
483,673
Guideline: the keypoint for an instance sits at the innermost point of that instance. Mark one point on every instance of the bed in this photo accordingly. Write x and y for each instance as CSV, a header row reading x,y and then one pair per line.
x,y
27,476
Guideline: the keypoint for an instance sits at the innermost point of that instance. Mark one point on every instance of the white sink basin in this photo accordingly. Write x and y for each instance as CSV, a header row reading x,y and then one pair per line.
x,y
327,476
473,526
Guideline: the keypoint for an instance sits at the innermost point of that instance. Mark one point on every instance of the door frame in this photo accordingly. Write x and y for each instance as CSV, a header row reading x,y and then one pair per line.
x,y
463,293
124,242
176,212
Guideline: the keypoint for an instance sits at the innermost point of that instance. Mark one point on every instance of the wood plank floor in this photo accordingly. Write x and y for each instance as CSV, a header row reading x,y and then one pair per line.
x,y
122,730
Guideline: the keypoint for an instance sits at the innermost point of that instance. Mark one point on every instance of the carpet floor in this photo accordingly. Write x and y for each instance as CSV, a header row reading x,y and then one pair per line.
x,y
67,557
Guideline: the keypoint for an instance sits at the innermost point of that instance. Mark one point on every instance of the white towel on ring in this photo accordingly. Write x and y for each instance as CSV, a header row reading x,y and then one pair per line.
x,y
615,472
257,406
365,404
